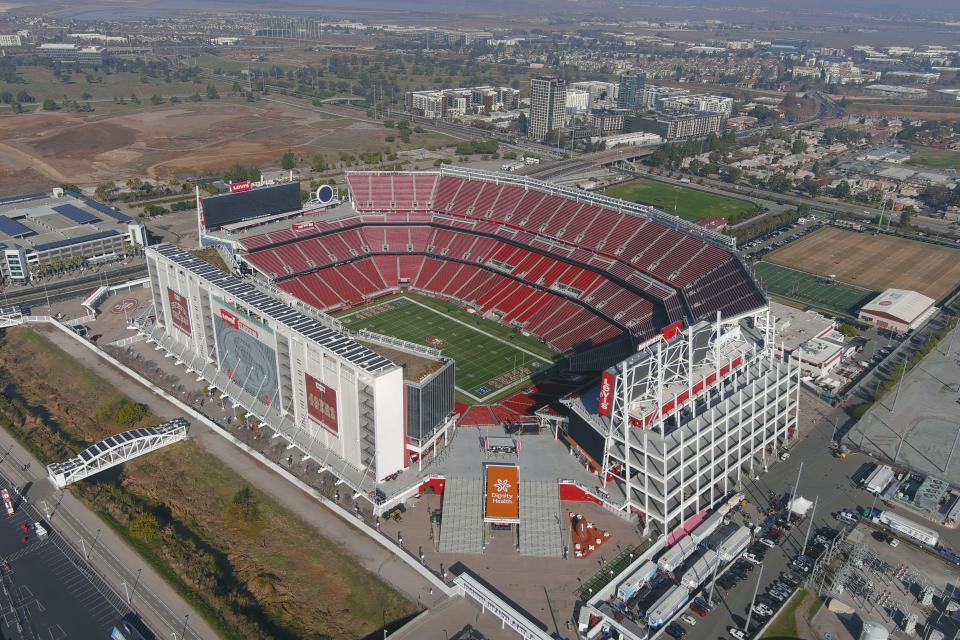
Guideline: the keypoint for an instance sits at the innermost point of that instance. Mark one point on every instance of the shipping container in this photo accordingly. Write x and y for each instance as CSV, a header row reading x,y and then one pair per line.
x,y
734,544
675,556
708,526
701,570
637,579
909,528
664,609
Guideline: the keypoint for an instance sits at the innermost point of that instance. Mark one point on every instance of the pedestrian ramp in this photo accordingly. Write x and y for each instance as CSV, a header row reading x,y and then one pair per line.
x,y
461,528
541,530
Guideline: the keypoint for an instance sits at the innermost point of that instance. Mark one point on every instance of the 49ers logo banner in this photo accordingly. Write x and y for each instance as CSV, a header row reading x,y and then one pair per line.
x,y
322,404
179,311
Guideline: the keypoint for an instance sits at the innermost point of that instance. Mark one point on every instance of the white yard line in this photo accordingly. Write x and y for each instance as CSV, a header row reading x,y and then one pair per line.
x,y
489,335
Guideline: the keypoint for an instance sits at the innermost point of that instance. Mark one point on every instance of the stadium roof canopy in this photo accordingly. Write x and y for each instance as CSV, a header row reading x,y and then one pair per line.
x,y
902,305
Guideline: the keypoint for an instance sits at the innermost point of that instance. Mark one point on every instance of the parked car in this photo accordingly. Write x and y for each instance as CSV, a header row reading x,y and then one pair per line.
x,y
689,619
762,610
700,611
749,557
674,630
737,633
767,542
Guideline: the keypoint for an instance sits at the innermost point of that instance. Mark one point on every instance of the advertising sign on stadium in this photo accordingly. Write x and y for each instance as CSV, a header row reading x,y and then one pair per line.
x,y
179,311
606,394
672,329
303,226
237,187
237,323
246,350
502,499
322,404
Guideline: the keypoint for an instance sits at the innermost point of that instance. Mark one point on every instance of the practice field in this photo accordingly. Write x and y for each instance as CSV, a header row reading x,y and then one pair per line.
x,y
690,203
873,261
490,359
933,158
818,291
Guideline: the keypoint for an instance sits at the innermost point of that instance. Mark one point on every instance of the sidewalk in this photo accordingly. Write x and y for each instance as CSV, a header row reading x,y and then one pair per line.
x,y
164,611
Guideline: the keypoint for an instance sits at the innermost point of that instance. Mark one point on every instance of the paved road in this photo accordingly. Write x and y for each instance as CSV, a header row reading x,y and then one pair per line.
x,y
66,288
159,605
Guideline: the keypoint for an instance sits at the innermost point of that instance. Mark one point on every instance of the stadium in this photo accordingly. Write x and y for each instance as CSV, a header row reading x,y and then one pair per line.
x,y
641,342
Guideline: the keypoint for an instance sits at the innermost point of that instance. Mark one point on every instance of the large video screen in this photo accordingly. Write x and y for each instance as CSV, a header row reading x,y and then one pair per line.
x,y
246,351
229,208
179,311
322,404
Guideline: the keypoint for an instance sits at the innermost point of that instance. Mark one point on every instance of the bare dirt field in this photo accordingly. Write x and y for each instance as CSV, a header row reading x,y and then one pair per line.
x,y
42,149
874,261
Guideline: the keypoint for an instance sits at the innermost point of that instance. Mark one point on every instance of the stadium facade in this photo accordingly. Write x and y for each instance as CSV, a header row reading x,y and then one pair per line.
x,y
688,398
308,381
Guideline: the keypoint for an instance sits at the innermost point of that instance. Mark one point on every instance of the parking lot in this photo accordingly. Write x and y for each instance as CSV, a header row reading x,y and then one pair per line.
x,y
49,590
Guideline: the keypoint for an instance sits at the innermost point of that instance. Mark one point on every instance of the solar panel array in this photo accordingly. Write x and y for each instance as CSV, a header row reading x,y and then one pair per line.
x,y
107,211
66,242
340,345
14,228
114,441
75,213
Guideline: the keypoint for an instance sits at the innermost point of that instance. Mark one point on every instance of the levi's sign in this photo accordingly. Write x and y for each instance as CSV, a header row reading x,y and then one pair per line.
x,y
237,187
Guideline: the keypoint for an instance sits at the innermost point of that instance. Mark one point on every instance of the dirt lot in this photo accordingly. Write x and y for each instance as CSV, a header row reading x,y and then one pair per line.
x,y
41,149
875,262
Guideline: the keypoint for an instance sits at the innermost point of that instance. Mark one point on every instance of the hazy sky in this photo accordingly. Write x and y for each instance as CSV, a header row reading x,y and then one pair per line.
x,y
732,10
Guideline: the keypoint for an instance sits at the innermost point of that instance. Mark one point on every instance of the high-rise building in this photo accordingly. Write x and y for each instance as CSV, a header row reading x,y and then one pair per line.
x,y
548,105
631,87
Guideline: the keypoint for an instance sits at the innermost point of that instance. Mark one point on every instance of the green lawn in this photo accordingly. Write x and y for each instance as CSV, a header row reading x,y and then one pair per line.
x,y
818,291
690,203
933,158
785,624
490,358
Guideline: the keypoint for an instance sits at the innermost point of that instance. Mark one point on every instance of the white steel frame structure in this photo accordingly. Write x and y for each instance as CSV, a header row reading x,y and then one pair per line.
x,y
115,450
691,414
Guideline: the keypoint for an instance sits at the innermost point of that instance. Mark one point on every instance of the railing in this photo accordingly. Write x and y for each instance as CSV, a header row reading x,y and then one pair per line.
x,y
396,343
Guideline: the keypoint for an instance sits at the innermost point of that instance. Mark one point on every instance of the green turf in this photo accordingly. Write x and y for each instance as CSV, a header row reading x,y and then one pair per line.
x,y
690,203
815,290
485,352
933,158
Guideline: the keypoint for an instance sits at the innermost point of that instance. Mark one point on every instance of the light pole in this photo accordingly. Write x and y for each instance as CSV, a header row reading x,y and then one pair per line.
x,y
753,600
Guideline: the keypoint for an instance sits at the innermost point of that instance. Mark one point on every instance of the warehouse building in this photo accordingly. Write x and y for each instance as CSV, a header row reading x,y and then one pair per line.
x,y
898,310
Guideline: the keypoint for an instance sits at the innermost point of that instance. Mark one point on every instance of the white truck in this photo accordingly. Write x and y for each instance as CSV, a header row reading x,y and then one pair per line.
x,y
909,528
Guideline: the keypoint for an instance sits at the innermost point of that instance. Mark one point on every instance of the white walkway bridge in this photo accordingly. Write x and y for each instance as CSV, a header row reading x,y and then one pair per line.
x,y
116,450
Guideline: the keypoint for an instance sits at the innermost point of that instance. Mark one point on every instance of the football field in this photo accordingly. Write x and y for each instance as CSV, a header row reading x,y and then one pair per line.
x,y
810,288
490,359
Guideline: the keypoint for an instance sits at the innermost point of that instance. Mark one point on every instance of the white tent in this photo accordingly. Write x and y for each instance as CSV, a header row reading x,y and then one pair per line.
x,y
800,506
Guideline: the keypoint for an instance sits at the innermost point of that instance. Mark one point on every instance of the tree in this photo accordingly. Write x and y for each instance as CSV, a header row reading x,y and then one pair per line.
x,y
212,92
779,182
842,190
104,189
50,105
242,513
848,330
799,146
733,174
522,124
156,99
129,413
6,97
144,526
288,161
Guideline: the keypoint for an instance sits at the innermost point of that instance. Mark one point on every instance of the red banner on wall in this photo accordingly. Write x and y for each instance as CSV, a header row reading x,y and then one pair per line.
x,y
179,311
606,394
322,404
303,226
237,187
672,329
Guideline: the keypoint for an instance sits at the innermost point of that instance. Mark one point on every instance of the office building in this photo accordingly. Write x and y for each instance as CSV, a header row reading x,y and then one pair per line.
x,y
679,126
548,105
631,89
